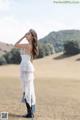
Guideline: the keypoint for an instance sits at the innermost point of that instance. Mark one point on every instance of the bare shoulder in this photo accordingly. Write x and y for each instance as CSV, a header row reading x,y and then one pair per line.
x,y
26,46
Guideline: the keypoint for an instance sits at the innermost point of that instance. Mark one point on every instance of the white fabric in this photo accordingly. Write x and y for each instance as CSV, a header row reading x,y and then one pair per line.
x,y
26,64
27,78
27,82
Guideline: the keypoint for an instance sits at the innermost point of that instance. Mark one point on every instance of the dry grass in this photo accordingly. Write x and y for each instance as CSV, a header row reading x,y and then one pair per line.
x,y
57,84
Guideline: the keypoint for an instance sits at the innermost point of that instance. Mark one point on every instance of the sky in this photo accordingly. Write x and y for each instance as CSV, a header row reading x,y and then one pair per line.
x,y
44,16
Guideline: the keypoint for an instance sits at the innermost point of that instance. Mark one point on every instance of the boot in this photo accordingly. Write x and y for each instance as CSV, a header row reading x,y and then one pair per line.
x,y
29,111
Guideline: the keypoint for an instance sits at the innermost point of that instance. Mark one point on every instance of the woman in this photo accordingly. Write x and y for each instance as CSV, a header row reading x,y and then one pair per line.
x,y
28,52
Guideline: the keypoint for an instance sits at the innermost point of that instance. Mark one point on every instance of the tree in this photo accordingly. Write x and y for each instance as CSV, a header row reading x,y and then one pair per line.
x,y
50,48
45,49
71,47
13,57
41,51
2,60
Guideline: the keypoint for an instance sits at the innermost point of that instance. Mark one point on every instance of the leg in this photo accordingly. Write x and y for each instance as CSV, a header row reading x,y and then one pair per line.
x,y
33,96
29,94
29,109
22,78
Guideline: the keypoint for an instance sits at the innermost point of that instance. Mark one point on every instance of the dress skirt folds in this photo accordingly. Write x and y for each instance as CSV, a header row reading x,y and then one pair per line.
x,y
27,81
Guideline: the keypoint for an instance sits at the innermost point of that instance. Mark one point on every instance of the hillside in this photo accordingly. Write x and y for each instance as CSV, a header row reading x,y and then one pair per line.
x,y
55,38
4,47
58,38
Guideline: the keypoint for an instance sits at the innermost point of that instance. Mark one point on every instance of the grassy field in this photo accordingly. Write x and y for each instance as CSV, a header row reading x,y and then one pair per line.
x,y
57,84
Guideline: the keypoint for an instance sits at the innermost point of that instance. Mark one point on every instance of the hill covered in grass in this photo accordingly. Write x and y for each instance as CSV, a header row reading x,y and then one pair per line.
x,y
57,39
5,47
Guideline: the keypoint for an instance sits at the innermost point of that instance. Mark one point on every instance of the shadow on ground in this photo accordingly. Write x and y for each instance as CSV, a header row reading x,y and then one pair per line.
x,y
14,115
78,59
62,56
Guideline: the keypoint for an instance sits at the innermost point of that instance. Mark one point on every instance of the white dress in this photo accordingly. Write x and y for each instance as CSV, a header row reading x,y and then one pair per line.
x,y
27,77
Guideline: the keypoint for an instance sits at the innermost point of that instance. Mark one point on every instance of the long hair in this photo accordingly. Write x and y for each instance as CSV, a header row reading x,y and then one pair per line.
x,y
35,50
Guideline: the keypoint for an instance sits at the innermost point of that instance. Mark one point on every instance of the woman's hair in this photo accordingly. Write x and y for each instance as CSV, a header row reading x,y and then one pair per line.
x,y
35,50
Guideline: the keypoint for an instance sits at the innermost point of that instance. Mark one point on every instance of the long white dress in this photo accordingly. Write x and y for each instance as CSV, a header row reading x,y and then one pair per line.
x,y
27,78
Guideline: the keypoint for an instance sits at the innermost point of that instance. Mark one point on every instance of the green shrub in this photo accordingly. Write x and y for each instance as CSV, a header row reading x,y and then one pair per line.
x,y
71,47
13,57
45,49
2,61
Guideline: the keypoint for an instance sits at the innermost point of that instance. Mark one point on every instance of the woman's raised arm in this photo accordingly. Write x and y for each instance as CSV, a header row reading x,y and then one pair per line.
x,y
26,46
17,43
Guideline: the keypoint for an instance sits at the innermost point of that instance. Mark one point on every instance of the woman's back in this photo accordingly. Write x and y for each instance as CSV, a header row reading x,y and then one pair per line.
x,y
26,63
24,55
